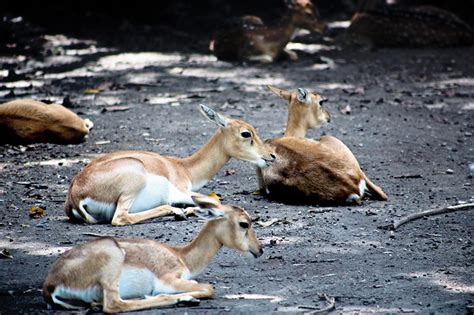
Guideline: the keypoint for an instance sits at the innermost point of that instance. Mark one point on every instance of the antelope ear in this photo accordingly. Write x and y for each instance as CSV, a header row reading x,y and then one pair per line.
x,y
303,95
286,95
208,207
213,116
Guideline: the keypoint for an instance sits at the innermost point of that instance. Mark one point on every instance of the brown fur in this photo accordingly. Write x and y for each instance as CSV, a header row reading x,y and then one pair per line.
x,y
309,171
250,39
28,121
99,263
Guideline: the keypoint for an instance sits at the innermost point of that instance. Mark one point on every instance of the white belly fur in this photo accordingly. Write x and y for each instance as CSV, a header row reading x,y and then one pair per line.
x,y
158,191
140,282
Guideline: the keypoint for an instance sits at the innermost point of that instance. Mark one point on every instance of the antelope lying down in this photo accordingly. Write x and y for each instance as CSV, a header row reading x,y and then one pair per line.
x,y
127,187
251,40
28,121
134,274
323,171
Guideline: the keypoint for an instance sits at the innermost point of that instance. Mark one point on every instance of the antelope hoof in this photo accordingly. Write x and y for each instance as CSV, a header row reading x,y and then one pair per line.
x,y
179,214
188,300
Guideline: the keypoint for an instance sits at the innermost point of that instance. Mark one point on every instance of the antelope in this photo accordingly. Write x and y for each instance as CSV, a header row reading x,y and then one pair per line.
x,y
249,39
324,171
27,121
127,187
128,274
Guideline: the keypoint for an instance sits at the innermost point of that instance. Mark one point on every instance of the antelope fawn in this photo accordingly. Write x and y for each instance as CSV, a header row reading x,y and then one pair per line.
x,y
133,274
127,187
28,121
323,171
251,40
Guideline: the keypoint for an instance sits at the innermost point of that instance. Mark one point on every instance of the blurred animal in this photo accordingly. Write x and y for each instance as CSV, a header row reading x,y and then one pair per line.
x,y
127,187
422,26
128,274
310,171
249,39
27,121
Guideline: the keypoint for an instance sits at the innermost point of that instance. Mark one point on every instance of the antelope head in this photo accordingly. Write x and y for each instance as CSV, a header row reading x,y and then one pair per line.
x,y
232,225
305,15
240,139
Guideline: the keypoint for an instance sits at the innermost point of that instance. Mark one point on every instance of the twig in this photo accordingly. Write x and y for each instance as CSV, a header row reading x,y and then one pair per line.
x,y
94,234
414,216
331,303
409,176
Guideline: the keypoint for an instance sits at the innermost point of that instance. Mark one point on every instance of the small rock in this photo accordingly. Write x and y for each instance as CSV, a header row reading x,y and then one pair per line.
x,y
449,171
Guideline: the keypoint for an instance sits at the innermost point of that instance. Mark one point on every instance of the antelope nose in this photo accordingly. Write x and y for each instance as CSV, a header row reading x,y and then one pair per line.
x,y
273,156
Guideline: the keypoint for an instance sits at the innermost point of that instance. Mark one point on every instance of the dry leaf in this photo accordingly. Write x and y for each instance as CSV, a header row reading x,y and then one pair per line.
x,y
115,109
36,212
229,172
5,253
215,196
102,142
90,91
273,221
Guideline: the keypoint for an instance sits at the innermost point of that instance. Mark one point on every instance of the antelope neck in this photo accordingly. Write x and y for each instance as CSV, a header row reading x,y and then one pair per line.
x,y
295,127
207,161
199,253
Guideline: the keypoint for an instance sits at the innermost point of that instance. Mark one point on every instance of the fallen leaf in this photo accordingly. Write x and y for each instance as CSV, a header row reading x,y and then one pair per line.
x,y
102,142
90,91
115,109
346,110
272,221
5,253
229,172
215,196
36,212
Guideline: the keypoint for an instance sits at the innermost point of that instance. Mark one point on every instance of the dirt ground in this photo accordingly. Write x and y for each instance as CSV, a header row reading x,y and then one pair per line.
x,y
410,126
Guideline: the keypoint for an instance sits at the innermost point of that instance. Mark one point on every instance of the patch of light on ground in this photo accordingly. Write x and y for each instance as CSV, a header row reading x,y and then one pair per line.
x,y
451,82
335,86
468,106
129,61
23,84
444,281
34,248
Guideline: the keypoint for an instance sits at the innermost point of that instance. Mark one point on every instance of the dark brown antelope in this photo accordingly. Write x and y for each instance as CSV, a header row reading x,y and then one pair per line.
x,y
305,170
249,39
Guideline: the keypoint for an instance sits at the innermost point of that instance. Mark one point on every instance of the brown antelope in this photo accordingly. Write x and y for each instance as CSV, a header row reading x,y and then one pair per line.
x,y
133,274
323,171
28,121
250,40
127,187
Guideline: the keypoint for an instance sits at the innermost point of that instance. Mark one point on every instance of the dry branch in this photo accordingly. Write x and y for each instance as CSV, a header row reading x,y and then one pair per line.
x,y
331,303
415,216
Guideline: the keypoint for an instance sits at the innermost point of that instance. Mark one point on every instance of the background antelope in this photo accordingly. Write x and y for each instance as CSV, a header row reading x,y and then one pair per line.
x,y
323,171
113,271
127,187
249,39
28,121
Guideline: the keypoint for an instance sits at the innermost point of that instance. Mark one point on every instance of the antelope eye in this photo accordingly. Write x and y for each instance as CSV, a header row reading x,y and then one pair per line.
x,y
244,225
246,134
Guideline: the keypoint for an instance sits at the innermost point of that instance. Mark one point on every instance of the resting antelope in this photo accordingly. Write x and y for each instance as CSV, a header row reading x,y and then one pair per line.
x,y
251,40
28,121
127,187
323,171
133,274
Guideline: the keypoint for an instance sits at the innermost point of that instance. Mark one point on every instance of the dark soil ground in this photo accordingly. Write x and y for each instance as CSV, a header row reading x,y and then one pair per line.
x,y
410,126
